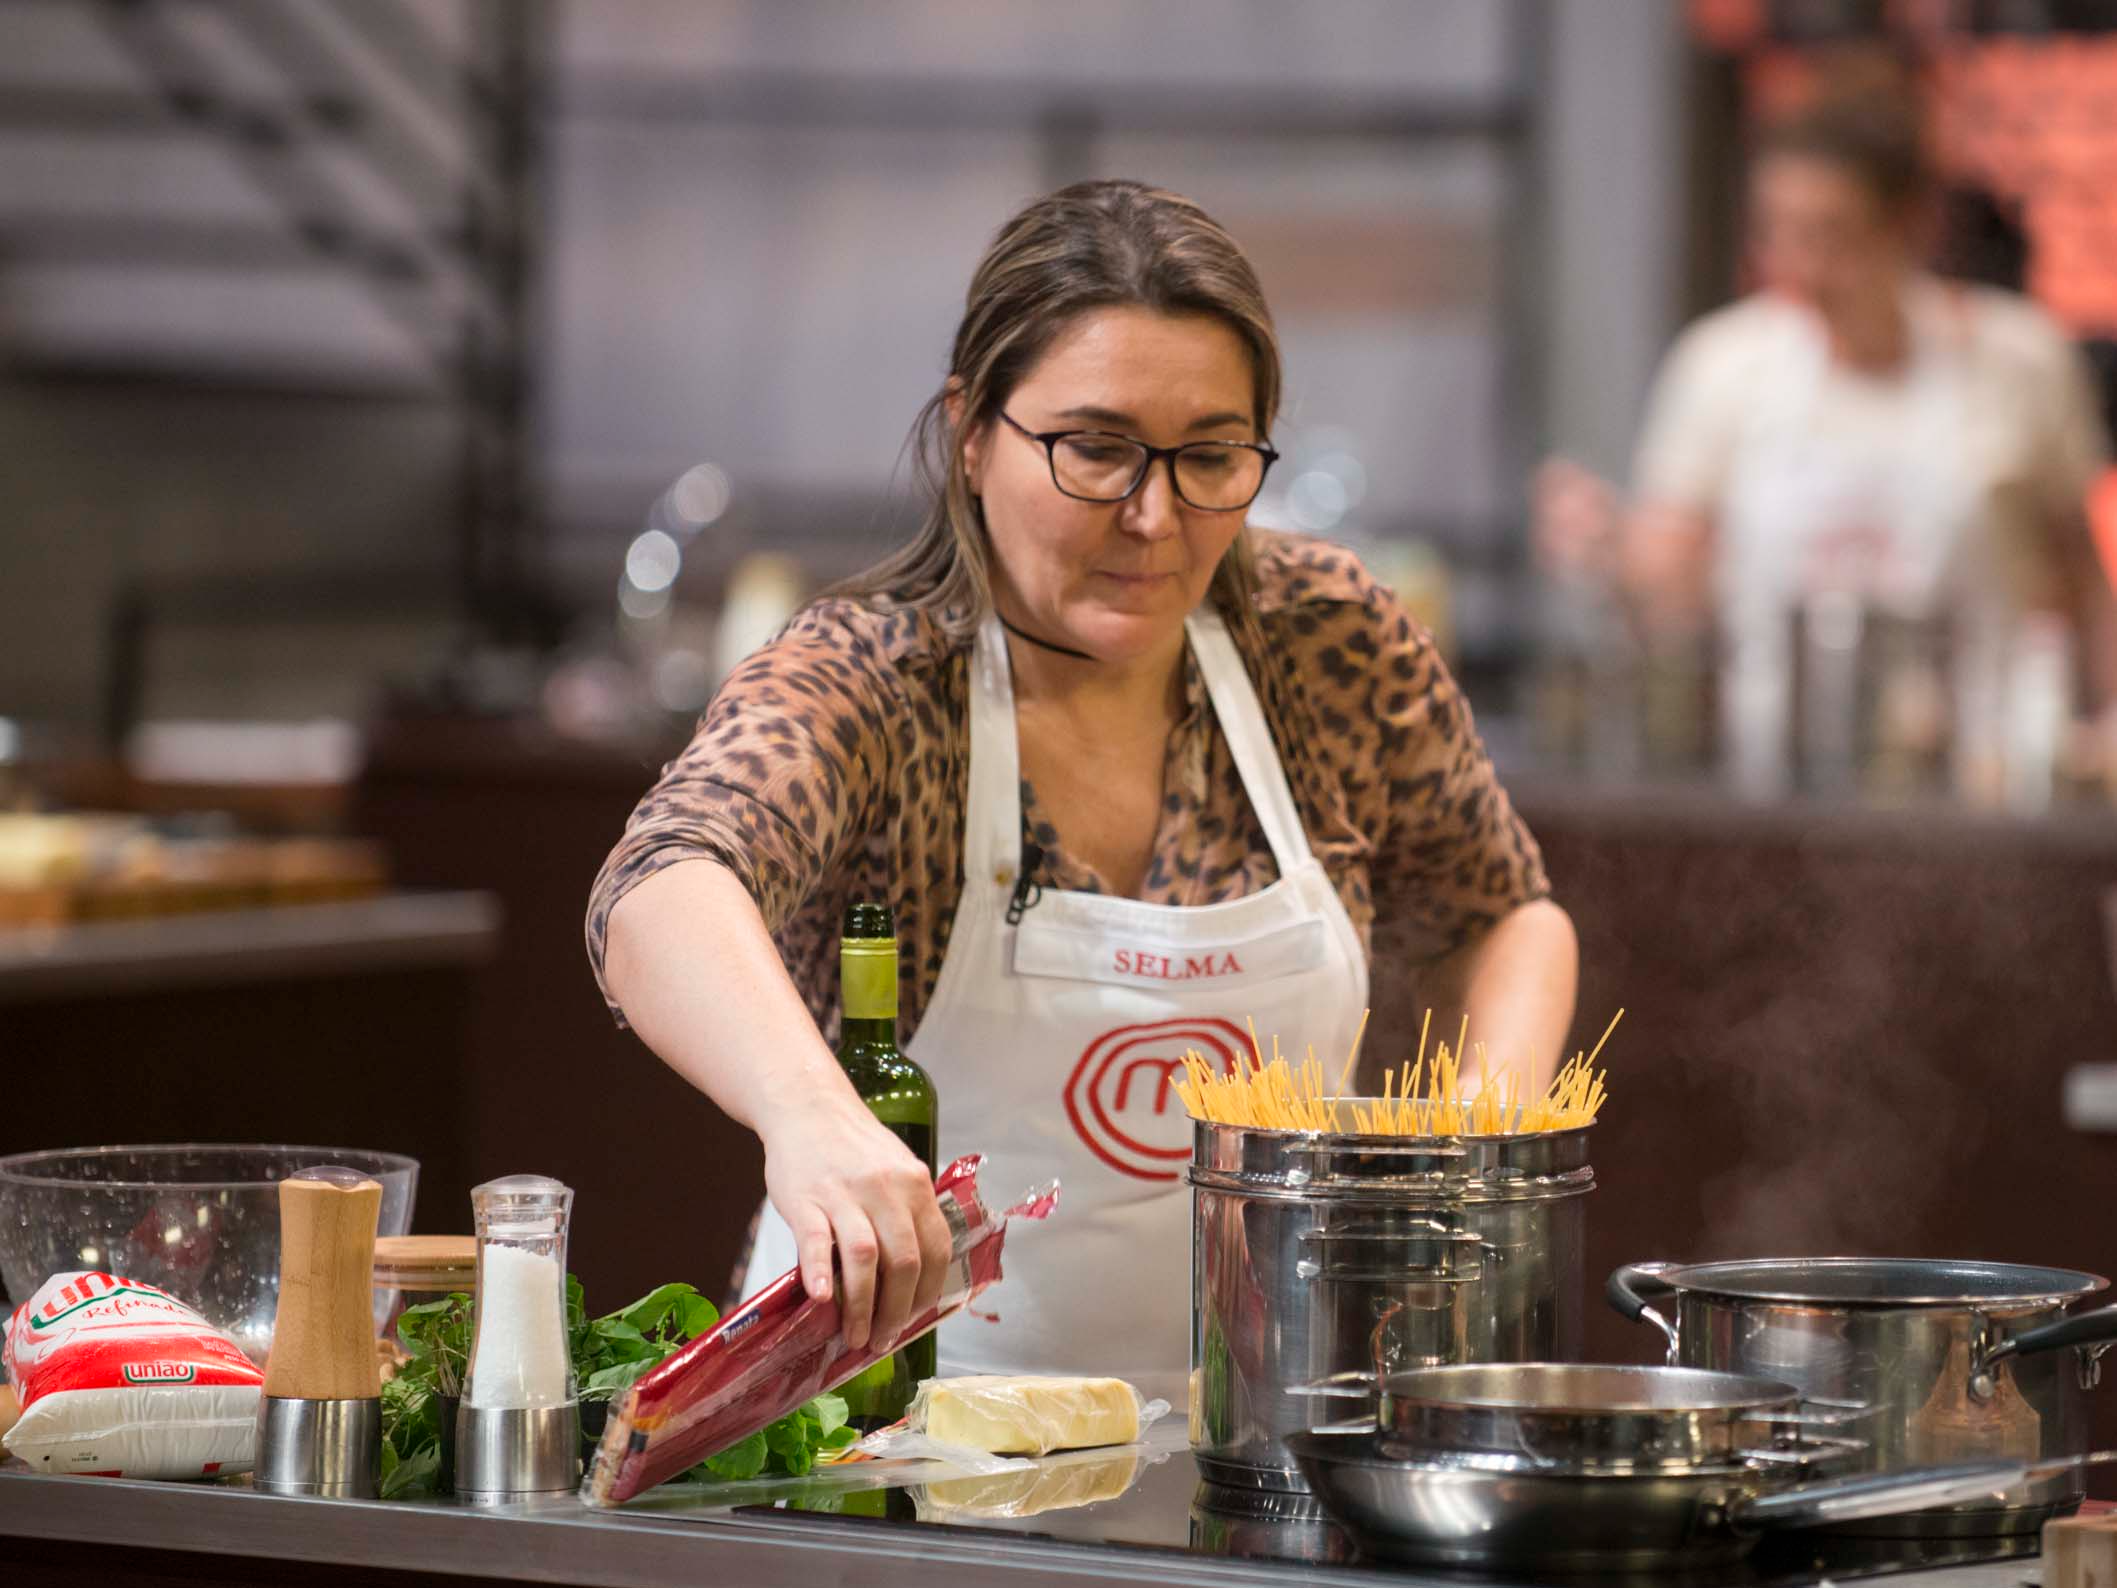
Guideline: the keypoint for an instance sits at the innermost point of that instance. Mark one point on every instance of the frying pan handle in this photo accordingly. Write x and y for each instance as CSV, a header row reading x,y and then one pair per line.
x,y
1875,1494
1629,1288
2085,1328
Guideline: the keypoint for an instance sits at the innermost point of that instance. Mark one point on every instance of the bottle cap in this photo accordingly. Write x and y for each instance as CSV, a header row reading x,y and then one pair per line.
x,y
867,921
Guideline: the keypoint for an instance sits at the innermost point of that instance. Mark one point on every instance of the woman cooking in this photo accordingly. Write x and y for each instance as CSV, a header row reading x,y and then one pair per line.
x,y
1120,766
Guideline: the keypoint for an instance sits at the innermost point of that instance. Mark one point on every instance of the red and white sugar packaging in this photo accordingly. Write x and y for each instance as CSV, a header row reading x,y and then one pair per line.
x,y
776,1351
119,1379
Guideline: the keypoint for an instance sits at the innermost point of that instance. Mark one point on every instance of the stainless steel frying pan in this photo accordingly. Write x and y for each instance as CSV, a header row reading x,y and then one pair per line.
x,y
1455,1511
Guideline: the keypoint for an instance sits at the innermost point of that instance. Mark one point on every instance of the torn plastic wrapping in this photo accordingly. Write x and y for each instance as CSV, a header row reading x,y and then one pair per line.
x,y
776,1351
900,1442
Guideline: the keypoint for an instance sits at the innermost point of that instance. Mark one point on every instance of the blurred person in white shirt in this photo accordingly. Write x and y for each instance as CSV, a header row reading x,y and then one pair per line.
x,y
1856,424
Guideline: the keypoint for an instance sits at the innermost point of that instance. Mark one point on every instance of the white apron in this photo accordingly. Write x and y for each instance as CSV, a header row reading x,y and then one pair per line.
x,y
1808,511
1052,1044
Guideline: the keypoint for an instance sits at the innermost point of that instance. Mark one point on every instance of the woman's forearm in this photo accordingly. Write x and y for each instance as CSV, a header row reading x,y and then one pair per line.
x,y
1516,983
690,962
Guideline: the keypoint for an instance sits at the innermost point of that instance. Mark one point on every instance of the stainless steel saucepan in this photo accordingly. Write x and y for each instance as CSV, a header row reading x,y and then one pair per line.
x,y
1953,1361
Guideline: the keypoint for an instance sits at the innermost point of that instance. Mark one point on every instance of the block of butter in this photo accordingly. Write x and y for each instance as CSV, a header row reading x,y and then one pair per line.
x,y
1027,1416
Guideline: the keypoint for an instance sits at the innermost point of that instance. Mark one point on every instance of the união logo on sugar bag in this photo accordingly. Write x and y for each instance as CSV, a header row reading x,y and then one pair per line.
x,y
89,1289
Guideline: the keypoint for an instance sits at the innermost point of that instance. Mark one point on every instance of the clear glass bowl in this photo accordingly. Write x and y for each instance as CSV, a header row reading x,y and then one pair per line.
x,y
198,1219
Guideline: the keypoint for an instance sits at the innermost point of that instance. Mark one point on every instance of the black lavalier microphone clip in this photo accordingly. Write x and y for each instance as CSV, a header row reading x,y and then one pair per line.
x,y
1028,892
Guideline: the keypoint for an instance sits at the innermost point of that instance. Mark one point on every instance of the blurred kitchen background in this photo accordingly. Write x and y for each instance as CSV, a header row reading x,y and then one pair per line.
x,y
410,408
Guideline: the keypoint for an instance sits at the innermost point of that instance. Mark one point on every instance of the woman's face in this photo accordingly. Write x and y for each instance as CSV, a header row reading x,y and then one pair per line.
x,y
1114,579
1820,235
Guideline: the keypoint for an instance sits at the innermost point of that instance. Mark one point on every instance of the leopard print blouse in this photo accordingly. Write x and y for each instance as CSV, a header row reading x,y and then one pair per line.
x,y
831,767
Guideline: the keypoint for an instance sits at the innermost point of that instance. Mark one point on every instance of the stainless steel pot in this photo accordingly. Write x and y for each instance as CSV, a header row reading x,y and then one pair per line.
x,y
1460,1513
1316,1256
1951,1361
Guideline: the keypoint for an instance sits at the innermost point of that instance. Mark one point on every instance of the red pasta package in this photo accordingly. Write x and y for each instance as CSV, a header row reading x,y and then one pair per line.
x,y
777,1350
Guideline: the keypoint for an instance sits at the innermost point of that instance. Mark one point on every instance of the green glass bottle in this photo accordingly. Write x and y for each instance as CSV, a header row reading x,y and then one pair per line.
x,y
903,1098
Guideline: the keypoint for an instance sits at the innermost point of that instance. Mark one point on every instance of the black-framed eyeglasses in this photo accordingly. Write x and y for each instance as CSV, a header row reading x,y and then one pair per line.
x,y
1102,466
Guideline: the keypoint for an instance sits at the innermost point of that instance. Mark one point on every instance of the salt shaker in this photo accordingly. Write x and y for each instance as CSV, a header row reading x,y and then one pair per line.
x,y
518,1428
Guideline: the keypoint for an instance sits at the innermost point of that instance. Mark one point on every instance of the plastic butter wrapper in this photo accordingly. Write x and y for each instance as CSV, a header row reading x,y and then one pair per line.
x,y
119,1379
777,1350
1027,1416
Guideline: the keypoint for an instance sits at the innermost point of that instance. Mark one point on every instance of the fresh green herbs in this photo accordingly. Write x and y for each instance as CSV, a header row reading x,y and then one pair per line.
x,y
419,1401
788,1446
608,1354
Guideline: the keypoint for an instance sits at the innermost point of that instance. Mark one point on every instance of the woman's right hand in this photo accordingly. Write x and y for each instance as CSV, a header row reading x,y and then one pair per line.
x,y
843,1182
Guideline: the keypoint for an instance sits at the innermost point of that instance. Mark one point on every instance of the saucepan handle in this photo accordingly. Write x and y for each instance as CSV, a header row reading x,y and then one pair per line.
x,y
1632,1289
1875,1494
2084,1328
1337,1255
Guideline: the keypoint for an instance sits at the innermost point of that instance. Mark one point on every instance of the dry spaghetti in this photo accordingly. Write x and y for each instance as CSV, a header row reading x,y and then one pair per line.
x,y
1418,1099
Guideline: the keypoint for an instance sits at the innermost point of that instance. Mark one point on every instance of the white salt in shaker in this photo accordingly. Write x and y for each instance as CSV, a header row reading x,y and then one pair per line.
x,y
518,1429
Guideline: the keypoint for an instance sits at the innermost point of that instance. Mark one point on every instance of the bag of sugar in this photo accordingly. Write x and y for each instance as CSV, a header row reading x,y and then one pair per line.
x,y
119,1379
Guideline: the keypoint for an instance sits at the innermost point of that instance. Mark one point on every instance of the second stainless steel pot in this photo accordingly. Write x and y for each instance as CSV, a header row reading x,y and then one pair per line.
x,y
1950,1361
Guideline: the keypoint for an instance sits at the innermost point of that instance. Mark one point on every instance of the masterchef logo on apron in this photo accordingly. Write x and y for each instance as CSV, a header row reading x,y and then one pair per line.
x,y
1120,1099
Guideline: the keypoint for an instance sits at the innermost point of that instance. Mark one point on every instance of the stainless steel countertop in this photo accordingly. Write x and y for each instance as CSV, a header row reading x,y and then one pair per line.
x,y
694,1538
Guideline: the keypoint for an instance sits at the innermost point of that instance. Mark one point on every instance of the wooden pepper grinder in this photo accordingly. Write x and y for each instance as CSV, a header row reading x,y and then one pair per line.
x,y
319,1421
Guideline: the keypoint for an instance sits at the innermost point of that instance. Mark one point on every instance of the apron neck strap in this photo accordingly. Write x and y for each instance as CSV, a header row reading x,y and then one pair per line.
x,y
992,822
1249,739
992,817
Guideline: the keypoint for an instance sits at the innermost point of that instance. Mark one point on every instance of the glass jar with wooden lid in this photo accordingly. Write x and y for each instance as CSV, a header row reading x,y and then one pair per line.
x,y
411,1270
